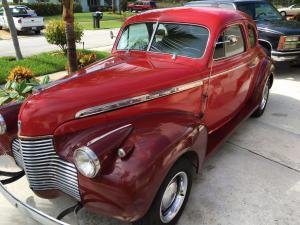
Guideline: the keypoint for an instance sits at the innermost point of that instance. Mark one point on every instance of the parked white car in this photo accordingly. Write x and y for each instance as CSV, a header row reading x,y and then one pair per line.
x,y
293,10
23,20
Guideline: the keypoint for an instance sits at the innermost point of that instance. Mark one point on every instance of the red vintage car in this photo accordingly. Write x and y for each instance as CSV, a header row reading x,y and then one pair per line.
x,y
141,5
124,135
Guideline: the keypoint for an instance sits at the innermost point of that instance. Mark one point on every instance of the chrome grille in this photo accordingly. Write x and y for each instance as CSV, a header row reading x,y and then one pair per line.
x,y
16,149
45,170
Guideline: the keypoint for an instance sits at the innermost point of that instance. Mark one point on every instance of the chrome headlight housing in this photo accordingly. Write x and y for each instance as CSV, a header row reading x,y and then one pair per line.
x,y
86,161
2,125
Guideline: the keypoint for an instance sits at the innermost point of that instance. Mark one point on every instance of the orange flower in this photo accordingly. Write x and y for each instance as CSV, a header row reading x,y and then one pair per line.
x,y
20,73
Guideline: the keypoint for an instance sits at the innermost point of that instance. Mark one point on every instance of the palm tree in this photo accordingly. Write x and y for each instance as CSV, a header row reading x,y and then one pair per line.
x,y
68,17
12,28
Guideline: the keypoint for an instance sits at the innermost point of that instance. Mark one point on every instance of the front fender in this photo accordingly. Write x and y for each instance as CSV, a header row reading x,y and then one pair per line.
x,y
10,114
127,189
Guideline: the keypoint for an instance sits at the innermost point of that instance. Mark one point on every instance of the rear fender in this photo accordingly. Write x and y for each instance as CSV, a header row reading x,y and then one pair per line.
x,y
265,73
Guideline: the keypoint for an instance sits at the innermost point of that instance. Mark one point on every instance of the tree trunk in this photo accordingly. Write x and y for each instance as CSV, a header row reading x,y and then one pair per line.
x,y
113,6
68,17
12,29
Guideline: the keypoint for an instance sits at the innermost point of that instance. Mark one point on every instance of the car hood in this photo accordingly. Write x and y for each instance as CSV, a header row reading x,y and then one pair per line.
x,y
111,80
281,27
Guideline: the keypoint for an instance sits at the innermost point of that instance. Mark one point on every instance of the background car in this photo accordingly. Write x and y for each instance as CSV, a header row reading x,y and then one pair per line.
x,y
22,19
141,5
293,10
279,37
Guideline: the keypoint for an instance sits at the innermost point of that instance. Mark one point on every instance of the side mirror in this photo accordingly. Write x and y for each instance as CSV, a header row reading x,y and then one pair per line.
x,y
112,36
283,14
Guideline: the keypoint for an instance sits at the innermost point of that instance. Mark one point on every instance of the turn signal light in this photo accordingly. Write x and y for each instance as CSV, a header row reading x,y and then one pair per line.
x,y
281,43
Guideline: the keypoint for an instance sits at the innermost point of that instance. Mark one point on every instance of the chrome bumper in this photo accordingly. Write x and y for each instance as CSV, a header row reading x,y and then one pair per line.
x,y
29,210
285,56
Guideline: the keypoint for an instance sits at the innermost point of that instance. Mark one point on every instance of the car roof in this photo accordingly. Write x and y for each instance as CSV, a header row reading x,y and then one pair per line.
x,y
190,15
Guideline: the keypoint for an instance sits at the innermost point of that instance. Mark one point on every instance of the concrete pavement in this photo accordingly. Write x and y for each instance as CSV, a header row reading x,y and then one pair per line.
x,y
253,179
35,44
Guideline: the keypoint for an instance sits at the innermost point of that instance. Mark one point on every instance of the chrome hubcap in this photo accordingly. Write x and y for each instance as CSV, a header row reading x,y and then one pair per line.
x,y
173,197
265,96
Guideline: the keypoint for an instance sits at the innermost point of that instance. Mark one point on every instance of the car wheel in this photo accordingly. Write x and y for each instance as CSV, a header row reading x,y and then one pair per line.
x,y
172,196
0,27
37,31
264,100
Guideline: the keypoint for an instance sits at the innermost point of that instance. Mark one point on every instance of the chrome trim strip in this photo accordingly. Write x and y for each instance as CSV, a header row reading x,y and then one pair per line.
x,y
228,71
106,134
37,215
290,53
35,138
136,100
269,30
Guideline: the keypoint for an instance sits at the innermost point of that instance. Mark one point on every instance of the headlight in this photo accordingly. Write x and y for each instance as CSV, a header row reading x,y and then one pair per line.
x,y
2,125
86,162
289,43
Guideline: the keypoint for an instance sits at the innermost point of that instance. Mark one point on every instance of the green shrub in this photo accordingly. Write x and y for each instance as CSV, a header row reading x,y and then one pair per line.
x,y
55,33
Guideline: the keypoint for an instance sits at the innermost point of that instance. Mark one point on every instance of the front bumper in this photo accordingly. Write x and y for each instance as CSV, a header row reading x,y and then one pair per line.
x,y
37,28
29,210
285,56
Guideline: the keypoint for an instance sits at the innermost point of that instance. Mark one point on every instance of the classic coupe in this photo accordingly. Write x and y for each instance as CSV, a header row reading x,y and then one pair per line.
x,y
124,135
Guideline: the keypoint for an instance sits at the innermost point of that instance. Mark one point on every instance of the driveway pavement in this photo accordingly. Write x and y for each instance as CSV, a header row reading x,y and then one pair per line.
x,y
253,179
34,44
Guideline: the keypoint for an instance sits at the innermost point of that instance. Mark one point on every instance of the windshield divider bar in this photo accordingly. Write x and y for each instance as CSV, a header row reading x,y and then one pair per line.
x,y
152,37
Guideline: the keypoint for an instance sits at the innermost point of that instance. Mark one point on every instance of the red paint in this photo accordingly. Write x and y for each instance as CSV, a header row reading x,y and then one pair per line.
x,y
161,130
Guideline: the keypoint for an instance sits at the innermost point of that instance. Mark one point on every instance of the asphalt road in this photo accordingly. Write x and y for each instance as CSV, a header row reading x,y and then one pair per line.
x,y
34,44
253,179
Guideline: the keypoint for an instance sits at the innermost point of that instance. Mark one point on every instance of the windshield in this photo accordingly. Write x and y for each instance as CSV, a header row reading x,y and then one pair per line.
x,y
18,11
170,38
260,10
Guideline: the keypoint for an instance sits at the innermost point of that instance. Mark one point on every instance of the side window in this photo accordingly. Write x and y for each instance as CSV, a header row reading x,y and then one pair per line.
x,y
136,37
1,12
231,42
252,36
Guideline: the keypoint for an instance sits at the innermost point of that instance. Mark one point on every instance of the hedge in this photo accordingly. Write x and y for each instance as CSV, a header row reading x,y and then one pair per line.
x,y
49,9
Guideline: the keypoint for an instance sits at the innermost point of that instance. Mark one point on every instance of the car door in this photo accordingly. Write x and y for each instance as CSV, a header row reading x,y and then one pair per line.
x,y
230,77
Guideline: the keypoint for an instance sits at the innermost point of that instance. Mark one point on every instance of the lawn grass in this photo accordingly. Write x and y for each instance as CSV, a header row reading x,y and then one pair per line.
x,y
109,20
41,64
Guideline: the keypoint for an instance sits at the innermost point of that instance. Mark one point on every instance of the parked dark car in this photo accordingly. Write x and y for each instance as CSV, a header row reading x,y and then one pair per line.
x,y
279,37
